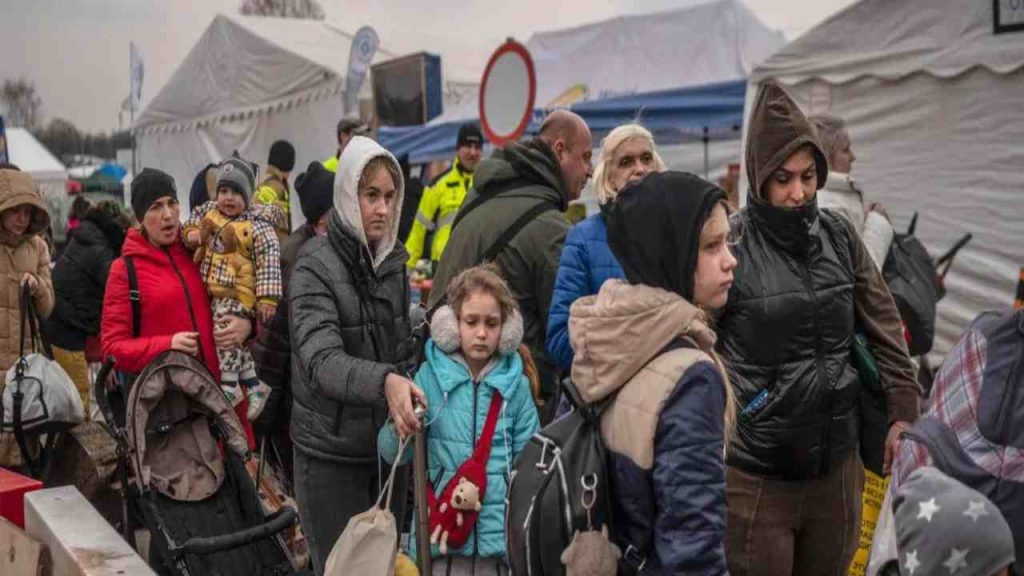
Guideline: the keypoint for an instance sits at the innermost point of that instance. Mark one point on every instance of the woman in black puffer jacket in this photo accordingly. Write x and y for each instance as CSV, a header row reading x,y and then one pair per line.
x,y
805,285
79,278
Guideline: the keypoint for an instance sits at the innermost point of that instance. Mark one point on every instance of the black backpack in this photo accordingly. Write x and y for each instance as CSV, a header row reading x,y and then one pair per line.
x,y
558,474
560,484
910,273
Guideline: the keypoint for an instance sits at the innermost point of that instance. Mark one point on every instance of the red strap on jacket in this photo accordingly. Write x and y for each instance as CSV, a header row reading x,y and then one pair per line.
x,y
452,526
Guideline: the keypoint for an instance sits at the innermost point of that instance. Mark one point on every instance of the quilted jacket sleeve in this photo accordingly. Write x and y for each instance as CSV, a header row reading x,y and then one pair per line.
x,y
267,258
570,284
689,475
195,218
318,348
132,354
44,298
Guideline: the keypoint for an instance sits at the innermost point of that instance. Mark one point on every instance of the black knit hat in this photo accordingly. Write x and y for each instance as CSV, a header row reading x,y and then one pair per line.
x,y
469,133
148,187
282,156
315,188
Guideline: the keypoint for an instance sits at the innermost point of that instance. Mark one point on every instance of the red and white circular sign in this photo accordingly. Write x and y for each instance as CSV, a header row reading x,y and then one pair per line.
x,y
507,93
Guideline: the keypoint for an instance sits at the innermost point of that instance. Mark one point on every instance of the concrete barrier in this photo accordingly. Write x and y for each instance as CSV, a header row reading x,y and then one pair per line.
x,y
80,541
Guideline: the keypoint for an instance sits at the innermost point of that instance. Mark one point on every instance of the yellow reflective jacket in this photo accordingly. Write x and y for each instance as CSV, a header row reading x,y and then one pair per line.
x,y
273,191
331,164
438,206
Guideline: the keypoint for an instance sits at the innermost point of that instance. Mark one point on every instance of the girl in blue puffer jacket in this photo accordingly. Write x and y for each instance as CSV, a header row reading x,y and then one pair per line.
x,y
471,358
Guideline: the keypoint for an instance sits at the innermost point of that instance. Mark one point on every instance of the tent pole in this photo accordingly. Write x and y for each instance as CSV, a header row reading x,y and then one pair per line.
x,y
705,139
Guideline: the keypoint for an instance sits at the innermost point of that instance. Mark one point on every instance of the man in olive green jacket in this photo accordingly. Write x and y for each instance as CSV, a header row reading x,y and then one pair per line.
x,y
540,176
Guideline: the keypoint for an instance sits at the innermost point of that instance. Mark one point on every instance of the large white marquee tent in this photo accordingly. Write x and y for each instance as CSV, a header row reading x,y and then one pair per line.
x,y
934,101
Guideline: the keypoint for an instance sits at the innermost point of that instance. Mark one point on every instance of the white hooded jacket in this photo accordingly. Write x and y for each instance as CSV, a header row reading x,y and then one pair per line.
x,y
358,153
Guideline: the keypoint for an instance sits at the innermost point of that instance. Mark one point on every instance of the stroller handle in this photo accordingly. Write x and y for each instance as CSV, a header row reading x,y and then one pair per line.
x,y
100,392
274,524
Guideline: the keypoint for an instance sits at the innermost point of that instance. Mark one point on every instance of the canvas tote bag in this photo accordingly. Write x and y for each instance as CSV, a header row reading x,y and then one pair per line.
x,y
369,544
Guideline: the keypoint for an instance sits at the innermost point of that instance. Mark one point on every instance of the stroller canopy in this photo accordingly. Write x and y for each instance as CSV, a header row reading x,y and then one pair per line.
x,y
172,407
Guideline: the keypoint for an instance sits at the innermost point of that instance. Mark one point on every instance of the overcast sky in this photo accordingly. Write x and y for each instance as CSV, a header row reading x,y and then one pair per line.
x,y
76,51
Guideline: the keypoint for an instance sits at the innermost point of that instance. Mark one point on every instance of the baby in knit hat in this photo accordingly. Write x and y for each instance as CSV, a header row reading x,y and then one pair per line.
x,y
944,527
239,259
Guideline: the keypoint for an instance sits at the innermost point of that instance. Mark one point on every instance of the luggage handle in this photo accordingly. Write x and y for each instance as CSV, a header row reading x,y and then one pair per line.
x,y
275,523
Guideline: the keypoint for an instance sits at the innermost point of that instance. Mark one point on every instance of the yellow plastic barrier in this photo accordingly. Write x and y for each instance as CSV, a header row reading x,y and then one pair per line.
x,y
871,500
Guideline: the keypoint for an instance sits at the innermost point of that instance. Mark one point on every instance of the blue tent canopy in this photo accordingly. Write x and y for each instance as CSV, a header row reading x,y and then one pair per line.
x,y
678,115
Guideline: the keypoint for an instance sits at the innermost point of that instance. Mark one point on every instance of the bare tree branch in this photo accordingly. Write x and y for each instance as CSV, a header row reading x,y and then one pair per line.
x,y
302,9
21,105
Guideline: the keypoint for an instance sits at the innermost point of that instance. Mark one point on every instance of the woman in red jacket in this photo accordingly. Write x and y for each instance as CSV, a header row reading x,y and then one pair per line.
x,y
175,310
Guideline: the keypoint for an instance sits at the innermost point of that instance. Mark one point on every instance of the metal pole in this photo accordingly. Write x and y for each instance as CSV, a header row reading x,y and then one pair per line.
x,y
419,473
131,130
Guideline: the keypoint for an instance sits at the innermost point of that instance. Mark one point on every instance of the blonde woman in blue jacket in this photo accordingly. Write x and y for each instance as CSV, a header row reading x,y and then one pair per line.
x,y
472,355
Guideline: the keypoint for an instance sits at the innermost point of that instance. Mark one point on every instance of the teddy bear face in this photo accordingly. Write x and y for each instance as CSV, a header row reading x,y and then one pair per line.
x,y
227,241
466,496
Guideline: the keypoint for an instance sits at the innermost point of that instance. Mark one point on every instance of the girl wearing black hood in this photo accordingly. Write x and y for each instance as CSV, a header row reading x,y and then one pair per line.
x,y
804,285
647,343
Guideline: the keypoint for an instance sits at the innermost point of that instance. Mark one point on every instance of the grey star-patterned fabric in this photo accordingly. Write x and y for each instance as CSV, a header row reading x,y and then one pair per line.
x,y
944,528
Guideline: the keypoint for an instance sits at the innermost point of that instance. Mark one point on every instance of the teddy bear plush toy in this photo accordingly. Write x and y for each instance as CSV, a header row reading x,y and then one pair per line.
x,y
462,510
229,247
454,513
591,554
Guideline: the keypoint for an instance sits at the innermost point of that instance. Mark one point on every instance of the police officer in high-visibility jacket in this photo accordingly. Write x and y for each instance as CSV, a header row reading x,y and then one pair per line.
x,y
442,200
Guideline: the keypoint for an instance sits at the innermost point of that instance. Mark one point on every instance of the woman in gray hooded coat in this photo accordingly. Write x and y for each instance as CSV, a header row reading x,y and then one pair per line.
x,y
349,307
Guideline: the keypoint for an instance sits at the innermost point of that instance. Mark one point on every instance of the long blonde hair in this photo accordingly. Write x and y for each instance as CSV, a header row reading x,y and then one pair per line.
x,y
609,144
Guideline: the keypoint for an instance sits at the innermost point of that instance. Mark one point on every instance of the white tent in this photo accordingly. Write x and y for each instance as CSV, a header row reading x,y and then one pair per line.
x,y
709,43
31,156
698,45
934,101
247,82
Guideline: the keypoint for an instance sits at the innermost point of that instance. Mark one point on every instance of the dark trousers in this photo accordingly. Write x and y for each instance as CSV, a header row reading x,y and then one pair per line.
x,y
330,493
804,528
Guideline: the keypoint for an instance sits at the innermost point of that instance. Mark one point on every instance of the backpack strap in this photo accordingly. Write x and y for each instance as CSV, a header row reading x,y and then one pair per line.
x,y
484,196
134,296
513,230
